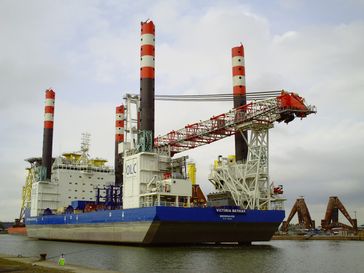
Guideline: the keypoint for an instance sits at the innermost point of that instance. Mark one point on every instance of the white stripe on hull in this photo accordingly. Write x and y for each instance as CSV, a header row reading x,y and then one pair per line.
x,y
130,232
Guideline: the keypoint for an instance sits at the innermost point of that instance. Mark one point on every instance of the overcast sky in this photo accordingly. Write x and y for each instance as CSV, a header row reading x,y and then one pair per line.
x,y
88,51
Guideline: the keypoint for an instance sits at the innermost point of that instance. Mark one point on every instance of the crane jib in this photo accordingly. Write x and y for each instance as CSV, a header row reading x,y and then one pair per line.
x,y
264,113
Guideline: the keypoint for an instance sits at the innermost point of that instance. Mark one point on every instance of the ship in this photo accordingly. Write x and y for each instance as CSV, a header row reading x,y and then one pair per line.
x,y
150,196
18,228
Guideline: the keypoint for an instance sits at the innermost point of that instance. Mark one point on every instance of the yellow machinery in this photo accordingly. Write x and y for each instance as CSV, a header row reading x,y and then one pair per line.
x,y
27,188
72,156
230,160
98,162
198,198
191,171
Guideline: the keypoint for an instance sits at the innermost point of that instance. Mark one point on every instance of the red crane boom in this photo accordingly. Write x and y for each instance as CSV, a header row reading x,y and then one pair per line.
x,y
284,107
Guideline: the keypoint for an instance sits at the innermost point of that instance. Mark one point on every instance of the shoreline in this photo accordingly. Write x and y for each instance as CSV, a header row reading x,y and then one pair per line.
x,y
27,264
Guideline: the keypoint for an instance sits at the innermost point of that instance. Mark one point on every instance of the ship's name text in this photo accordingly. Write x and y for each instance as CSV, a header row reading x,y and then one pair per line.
x,y
229,210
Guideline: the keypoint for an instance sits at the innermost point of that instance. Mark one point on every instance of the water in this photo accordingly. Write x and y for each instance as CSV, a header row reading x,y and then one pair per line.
x,y
274,256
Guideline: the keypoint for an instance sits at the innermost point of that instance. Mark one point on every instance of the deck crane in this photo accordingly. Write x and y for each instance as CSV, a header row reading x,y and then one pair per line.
x,y
262,114
247,182
245,179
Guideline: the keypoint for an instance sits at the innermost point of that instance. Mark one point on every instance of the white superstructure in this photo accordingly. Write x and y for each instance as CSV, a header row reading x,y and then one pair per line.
x,y
150,178
74,177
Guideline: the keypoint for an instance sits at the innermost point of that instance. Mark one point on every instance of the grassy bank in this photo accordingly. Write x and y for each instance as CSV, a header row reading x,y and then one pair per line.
x,y
10,265
25,265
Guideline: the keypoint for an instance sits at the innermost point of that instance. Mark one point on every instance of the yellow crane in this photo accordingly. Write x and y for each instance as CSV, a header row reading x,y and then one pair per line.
x,y
31,176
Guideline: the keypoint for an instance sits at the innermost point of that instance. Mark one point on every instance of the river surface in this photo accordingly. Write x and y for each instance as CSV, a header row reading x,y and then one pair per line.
x,y
273,256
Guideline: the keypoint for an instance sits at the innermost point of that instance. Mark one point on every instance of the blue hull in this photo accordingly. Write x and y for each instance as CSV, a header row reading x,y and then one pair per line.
x,y
159,225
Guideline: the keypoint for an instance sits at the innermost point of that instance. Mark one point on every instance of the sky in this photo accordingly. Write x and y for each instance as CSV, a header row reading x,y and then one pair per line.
x,y
88,52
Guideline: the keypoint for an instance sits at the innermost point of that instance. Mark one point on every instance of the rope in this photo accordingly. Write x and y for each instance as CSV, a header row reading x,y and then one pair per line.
x,y
73,252
57,256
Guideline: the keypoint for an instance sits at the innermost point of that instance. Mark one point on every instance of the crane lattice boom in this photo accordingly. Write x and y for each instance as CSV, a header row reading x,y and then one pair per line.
x,y
284,107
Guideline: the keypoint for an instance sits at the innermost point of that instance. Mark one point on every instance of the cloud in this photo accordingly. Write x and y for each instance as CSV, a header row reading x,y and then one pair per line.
x,y
89,52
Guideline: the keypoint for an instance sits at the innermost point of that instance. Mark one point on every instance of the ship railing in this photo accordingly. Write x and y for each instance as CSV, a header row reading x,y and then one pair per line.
x,y
170,204
162,203
277,205
82,167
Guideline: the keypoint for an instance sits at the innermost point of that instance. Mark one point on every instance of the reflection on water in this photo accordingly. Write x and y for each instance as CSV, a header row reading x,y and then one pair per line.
x,y
274,256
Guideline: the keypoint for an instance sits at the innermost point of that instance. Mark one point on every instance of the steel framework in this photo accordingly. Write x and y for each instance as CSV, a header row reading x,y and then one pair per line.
x,y
132,105
32,176
248,182
284,107
331,219
304,217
